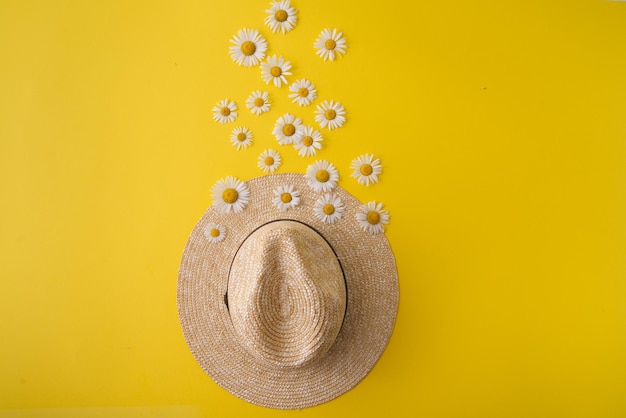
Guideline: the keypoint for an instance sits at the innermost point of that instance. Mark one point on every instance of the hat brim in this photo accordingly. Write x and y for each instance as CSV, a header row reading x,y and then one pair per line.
x,y
372,301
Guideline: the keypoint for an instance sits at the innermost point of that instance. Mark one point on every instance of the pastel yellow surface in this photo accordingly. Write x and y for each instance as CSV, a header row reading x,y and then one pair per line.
x,y
501,127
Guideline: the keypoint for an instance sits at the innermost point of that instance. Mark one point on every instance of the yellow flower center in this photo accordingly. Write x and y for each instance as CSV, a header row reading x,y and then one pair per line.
x,y
303,92
269,161
248,48
285,197
322,176
329,209
330,114
225,111
276,71
307,141
230,195
281,15
289,129
366,169
330,44
258,102
215,232
241,137
373,217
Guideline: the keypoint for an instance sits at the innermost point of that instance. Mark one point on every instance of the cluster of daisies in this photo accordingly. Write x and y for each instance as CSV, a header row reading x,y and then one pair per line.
x,y
249,49
231,195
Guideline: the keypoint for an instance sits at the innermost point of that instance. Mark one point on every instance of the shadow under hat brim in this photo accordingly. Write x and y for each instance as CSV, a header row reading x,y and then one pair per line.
x,y
372,301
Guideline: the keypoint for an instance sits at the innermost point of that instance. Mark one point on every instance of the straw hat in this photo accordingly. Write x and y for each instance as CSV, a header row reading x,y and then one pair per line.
x,y
286,311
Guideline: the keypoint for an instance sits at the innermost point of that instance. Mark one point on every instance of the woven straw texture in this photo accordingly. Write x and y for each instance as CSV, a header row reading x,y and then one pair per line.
x,y
286,294
233,346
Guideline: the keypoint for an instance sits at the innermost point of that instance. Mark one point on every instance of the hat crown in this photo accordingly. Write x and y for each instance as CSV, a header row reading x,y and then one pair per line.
x,y
287,294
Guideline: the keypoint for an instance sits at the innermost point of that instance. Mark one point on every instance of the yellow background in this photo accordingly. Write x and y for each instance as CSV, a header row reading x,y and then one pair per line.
x,y
501,127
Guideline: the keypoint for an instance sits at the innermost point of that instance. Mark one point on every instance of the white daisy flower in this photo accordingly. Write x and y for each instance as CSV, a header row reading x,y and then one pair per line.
x,y
288,129
328,208
372,217
230,195
249,47
330,44
225,111
269,161
303,92
241,137
331,114
322,176
214,233
258,102
286,197
366,169
310,142
282,17
275,69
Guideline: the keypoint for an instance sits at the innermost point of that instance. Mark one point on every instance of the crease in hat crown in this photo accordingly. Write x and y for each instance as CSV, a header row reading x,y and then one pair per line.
x,y
287,294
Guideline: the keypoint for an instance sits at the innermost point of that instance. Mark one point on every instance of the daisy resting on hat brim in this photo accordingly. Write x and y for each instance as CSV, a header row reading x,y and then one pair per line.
x,y
310,142
241,138
328,208
214,233
330,44
322,176
269,161
281,16
286,197
249,47
330,114
230,195
303,92
372,217
275,69
225,111
288,129
258,102
366,169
